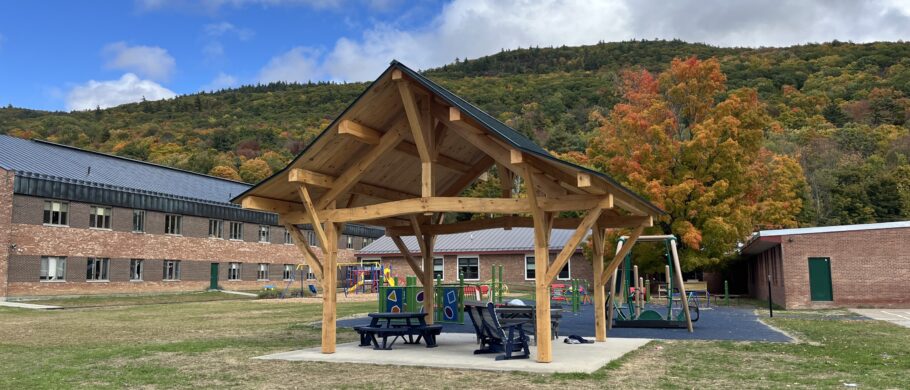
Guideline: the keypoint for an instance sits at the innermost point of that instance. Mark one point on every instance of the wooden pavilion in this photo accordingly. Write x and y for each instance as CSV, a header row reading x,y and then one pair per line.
x,y
399,157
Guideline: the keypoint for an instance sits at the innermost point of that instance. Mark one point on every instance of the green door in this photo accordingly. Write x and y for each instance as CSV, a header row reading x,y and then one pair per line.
x,y
820,279
213,284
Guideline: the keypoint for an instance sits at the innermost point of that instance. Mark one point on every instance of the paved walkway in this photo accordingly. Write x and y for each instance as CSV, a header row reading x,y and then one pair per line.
x,y
456,351
21,305
897,316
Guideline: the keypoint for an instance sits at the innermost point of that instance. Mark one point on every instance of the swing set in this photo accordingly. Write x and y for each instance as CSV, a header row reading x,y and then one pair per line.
x,y
628,293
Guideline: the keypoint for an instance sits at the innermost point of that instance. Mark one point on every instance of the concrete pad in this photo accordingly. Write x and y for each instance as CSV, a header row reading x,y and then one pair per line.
x,y
897,316
32,306
245,294
456,351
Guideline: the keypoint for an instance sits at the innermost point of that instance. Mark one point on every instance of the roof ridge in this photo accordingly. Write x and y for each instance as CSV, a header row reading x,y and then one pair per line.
x,y
50,143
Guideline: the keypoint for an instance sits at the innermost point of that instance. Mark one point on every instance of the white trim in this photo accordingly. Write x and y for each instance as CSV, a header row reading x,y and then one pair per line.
x,y
568,267
443,258
527,256
834,229
458,265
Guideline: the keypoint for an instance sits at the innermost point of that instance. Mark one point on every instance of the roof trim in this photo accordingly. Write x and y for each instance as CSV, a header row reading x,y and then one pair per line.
x,y
834,229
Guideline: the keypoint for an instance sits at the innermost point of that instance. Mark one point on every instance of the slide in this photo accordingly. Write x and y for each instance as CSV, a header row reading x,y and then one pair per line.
x,y
354,287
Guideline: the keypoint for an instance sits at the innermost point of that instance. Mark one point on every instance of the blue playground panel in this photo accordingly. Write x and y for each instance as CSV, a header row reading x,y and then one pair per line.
x,y
717,323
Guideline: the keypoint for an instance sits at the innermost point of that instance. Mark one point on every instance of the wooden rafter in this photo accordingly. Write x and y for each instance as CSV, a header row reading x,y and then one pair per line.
x,y
309,257
365,134
505,180
512,221
299,175
442,160
314,217
407,255
468,177
347,179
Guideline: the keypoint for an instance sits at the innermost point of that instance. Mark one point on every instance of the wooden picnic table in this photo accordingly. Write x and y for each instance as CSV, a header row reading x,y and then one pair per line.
x,y
406,325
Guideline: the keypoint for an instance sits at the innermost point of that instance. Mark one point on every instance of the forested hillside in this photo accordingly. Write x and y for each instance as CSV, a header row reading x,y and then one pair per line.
x,y
840,109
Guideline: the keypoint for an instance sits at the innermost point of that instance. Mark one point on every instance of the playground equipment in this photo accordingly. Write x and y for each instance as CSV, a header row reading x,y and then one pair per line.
x,y
301,268
449,307
628,293
357,277
574,294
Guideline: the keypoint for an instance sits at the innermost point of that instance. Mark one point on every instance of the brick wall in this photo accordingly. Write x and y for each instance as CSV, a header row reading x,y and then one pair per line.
x,y
6,213
513,271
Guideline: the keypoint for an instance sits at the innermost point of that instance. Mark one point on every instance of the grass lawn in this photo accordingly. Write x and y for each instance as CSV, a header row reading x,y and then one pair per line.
x,y
129,300
209,344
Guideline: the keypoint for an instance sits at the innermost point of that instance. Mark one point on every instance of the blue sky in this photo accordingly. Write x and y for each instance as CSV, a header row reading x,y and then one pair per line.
x,y
64,55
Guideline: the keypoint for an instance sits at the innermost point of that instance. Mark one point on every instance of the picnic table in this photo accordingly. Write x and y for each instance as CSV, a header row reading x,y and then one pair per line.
x,y
409,326
510,315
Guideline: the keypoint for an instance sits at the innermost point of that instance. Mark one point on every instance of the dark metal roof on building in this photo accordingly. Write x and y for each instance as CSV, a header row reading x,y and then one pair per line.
x,y
517,240
69,163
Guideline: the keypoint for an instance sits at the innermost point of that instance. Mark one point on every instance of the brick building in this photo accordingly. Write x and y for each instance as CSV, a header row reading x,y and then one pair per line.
x,y
833,266
474,254
79,222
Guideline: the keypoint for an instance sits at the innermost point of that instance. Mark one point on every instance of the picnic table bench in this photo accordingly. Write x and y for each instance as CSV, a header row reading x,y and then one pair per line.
x,y
410,326
528,315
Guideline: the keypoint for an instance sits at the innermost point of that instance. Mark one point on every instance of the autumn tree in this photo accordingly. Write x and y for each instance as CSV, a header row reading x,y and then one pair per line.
x,y
701,160
225,172
254,170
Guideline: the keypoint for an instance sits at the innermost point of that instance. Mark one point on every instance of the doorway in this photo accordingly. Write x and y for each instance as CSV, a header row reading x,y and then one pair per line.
x,y
213,283
820,279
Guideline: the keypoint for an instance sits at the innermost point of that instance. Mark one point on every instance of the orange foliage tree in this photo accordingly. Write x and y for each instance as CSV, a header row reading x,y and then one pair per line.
x,y
702,161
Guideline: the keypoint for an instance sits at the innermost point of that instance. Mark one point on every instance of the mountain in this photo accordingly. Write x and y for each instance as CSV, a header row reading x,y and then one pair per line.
x,y
842,109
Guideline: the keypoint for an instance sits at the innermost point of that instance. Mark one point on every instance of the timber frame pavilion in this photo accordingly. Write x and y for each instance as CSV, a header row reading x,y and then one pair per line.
x,y
399,157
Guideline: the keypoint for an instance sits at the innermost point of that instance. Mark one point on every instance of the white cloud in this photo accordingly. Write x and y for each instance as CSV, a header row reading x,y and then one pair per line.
x,y
216,30
473,28
221,81
298,64
128,89
148,61
213,6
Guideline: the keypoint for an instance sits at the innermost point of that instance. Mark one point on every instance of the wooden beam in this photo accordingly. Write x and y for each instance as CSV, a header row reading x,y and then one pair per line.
x,y
600,316
359,132
505,180
314,217
270,205
569,248
468,177
512,221
583,180
347,179
577,202
541,265
299,175
303,246
626,247
441,159
407,255
329,293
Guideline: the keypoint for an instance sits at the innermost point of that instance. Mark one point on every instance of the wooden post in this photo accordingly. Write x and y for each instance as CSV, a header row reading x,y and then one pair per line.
x,y
635,299
330,282
682,287
600,318
542,292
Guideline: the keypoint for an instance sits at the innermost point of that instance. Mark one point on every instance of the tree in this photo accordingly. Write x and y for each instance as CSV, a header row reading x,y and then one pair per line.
x,y
701,161
225,172
254,170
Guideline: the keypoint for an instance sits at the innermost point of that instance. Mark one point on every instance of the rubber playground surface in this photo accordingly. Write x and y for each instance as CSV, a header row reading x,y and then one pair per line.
x,y
715,323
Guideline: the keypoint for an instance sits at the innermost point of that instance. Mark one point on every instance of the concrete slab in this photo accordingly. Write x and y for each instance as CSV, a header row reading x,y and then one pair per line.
x,y
897,316
32,306
245,294
456,350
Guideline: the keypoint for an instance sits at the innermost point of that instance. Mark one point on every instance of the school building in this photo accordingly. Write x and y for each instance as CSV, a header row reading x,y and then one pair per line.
x,y
865,265
473,254
76,222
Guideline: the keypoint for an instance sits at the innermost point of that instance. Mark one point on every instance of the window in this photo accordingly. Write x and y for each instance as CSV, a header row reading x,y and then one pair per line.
x,y
138,221
287,237
531,268
236,232
53,268
99,217
233,271
469,267
311,237
263,233
263,272
136,267
172,224
439,268
309,273
55,213
367,241
288,273
350,242
215,228
171,270
96,269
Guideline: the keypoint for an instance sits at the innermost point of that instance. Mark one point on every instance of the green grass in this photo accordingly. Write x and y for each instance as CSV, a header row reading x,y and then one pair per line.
x,y
211,344
130,300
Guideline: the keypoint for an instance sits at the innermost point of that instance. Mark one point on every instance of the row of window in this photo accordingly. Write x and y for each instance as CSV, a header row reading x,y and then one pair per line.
x,y
469,266
53,268
97,269
57,213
